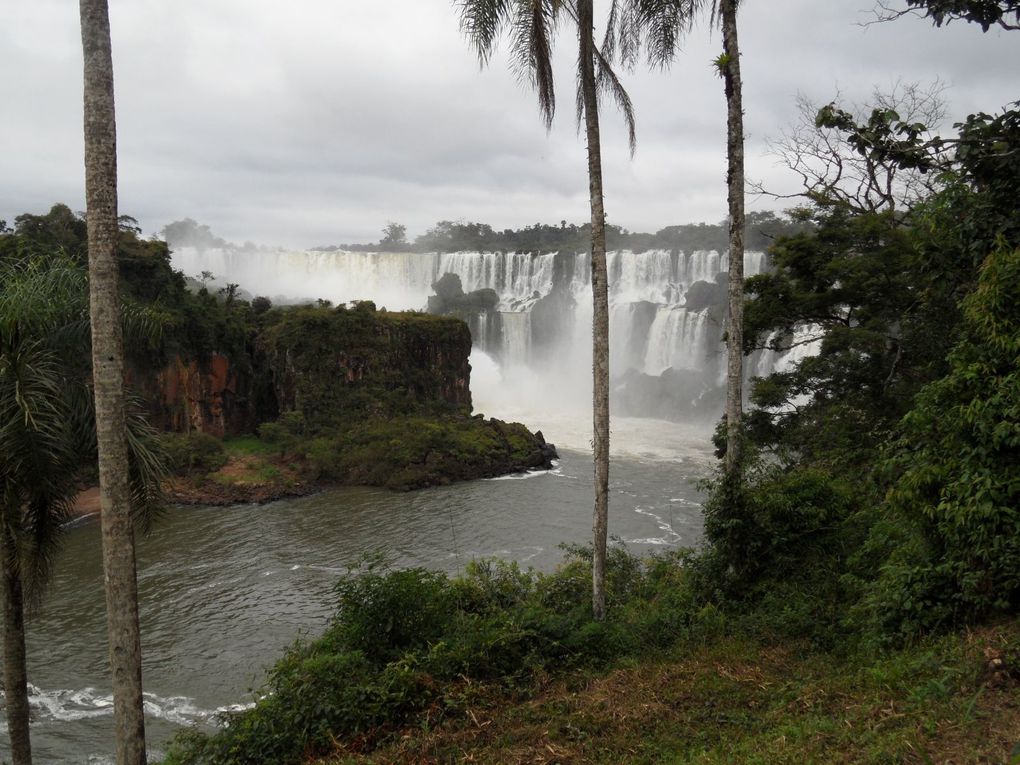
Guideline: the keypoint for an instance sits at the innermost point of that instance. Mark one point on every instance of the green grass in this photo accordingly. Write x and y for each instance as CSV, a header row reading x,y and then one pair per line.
x,y
736,701
248,446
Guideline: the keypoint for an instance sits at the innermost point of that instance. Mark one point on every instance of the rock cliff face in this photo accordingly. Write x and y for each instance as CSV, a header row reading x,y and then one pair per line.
x,y
337,364
368,397
330,364
211,396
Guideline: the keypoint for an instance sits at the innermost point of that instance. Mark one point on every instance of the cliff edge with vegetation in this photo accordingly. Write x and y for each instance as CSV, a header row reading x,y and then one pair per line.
x,y
363,397
303,396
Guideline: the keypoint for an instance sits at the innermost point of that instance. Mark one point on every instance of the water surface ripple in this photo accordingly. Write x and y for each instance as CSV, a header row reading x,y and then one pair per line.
x,y
224,590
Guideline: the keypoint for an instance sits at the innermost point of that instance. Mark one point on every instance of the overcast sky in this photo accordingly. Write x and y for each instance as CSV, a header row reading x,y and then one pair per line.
x,y
317,121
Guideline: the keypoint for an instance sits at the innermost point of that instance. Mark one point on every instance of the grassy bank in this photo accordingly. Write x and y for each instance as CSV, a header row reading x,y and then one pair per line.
x,y
290,458
738,701
505,666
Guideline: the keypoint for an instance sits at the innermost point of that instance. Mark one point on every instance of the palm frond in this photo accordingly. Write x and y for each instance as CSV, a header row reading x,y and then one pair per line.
x,y
608,82
144,325
623,32
482,22
666,23
147,460
531,39
40,541
40,294
40,460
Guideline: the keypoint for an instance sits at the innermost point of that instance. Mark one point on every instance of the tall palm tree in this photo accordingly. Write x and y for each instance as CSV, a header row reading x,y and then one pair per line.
x,y
47,434
108,377
664,23
37,439
531,24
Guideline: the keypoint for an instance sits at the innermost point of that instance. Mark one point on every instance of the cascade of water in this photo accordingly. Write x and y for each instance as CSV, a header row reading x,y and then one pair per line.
x,y
546,296
516,337
680,339
516,277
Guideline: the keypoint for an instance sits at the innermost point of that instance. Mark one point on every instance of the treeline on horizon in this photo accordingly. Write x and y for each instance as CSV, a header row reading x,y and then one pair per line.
x,y
761,230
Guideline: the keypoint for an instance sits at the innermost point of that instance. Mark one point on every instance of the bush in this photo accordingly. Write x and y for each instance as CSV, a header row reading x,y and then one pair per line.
x,y
401,642
194,452
777,524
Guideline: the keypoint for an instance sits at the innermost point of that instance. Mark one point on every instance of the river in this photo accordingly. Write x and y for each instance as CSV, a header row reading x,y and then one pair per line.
x,y
224,590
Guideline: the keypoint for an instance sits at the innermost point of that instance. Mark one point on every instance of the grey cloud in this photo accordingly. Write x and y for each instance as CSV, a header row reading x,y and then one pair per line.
x,y
317,122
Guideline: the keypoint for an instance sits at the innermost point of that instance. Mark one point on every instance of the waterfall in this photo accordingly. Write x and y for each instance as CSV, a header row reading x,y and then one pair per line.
x,y
680,339
666,310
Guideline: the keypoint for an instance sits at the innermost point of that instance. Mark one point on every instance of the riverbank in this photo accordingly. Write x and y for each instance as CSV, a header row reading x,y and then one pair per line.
x,y
244,479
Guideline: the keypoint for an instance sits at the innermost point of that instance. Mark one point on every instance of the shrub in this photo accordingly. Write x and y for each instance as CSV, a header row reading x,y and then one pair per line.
x,y
401,641
194,452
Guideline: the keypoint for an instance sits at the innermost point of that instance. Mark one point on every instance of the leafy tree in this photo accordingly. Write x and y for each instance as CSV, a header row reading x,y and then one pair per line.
x,y
852,287
394,237
57,230
985,13
38,449
822,149
959,487
531,23
189,233
108,375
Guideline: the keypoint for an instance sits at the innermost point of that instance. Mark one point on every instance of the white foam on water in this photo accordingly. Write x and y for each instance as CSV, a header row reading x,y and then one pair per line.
x,y
671,537
69,705
520,476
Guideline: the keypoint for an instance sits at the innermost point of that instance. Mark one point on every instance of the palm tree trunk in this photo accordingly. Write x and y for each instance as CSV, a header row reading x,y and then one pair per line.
x,y
735,196
600,313
108,378
15,671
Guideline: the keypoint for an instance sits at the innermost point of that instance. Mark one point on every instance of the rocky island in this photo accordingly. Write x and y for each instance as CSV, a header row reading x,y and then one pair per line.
x,y
338,395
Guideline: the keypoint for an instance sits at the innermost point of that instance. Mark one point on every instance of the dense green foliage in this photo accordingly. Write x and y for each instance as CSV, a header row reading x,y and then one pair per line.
x,y
910,399
337,364
194,452
959,487
193,323
413,452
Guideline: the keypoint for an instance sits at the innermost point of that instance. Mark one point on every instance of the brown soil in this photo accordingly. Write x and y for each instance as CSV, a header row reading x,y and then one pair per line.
x,y
86,503
243,480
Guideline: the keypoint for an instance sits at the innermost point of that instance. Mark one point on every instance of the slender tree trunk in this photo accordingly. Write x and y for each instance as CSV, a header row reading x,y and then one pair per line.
x,y
600,313
108,378
15,666
735,195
